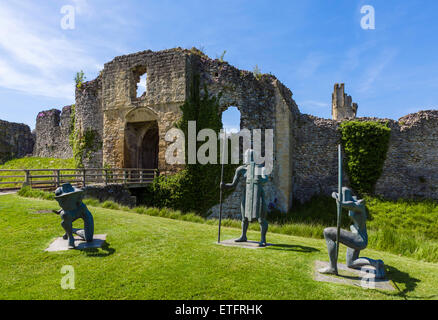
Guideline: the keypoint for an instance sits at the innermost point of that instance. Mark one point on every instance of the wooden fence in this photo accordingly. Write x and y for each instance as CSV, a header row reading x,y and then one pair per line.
x,y
53,178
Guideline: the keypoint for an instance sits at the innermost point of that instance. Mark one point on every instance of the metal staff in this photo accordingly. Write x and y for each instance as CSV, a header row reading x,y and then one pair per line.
x,y
338,234
220,194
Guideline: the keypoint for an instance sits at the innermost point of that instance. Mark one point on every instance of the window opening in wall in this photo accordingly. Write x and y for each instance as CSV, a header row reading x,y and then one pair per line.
x,y
141,85
231,120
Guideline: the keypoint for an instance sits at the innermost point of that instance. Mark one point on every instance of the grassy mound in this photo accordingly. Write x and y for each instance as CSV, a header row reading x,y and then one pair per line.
x,y
32,163
154,258
38,163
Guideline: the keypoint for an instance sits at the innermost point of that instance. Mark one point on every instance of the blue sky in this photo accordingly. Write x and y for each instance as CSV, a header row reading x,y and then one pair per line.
x,y
309,45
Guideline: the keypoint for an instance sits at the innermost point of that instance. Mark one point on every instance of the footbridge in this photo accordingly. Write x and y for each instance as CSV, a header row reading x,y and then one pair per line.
x,y
50,179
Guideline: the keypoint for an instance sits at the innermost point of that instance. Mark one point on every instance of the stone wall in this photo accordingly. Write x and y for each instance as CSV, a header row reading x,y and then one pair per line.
x,y
411,167
315,157
166,92
410,170
89,117
264,103
16,141
52,131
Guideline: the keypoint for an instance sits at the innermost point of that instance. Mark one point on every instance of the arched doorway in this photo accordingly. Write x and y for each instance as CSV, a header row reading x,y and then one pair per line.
x,y
148,154
141,145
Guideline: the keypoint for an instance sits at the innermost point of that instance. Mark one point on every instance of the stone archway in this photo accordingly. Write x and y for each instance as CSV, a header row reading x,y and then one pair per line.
x,y
148,151
141,145
141,139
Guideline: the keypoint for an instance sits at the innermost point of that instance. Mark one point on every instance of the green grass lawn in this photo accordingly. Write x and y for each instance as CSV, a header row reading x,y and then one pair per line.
x,y
157,258
38,163
33,163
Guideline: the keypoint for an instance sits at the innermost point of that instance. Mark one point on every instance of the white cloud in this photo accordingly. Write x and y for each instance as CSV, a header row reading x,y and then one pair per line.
x,y
13,79
310,64
231,129
82,7
373,73
312,104
38,58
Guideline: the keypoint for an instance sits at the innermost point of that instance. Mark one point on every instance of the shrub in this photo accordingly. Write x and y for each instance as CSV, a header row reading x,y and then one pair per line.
x,y
365,144
257,72
140,210
221,57
28,192
196,187
79,79
92,202
110,205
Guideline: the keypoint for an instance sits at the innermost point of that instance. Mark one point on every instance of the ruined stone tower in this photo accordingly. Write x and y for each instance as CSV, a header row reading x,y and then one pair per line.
x,y
342,104
131,127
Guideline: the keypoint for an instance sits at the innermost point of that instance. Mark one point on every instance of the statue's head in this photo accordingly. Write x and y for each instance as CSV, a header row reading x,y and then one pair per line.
x,y
68,197
249,156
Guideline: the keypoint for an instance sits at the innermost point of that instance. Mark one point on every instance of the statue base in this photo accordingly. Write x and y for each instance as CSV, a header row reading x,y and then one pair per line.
x,y
247,245
59,244
364,278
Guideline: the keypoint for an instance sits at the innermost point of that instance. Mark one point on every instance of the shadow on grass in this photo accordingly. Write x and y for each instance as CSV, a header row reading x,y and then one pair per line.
x,y
292,247
399,277
104,251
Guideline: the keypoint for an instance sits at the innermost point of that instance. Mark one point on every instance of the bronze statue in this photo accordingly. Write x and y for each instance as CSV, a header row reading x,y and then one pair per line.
x,y
253,204
356,240
70,200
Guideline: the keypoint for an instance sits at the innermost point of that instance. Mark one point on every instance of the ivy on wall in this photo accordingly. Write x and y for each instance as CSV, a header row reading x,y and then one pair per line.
x,y
366,145
196,187
82,144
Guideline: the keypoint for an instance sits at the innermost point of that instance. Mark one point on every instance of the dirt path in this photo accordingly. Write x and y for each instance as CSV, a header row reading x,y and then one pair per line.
x,y
7,192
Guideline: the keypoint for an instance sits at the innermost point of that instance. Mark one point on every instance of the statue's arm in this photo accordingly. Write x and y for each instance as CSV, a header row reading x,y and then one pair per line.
x,y
351,205
354,205
239,171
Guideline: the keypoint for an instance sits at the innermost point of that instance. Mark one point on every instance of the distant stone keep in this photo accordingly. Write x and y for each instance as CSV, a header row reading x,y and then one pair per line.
x,y
342,105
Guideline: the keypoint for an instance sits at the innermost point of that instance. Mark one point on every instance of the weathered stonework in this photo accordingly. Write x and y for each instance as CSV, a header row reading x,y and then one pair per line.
x,y
315,157
53,129
16,141
129,122
342,104
130,130
158,107
89,117
409,170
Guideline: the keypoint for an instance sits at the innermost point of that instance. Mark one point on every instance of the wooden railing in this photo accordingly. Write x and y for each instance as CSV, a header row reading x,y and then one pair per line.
x,y
53,178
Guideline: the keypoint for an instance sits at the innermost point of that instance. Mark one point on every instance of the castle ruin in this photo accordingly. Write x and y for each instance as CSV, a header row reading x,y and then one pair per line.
x,y
343,107
128,130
